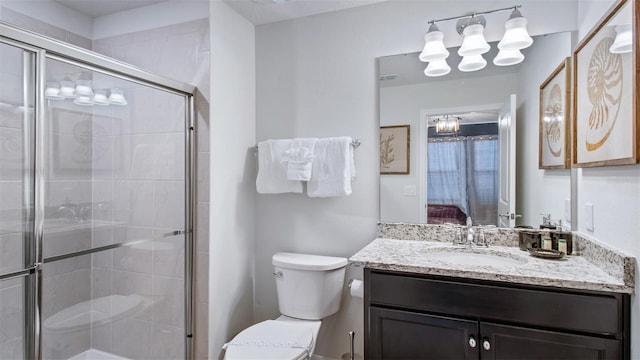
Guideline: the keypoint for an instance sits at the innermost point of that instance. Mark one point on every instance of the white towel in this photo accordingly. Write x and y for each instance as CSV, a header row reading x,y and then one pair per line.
x,y
272,171
333,168
299,159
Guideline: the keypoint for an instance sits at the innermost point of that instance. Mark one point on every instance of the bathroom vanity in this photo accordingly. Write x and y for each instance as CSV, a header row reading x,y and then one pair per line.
x,y
420,304
412,316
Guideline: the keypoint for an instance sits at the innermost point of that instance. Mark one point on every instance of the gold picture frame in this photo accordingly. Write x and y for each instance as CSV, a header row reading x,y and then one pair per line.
x,y
395,149
554,151
605,122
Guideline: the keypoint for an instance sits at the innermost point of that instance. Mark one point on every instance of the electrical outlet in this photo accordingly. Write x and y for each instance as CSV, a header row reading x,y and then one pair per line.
x,y
410,190
588,216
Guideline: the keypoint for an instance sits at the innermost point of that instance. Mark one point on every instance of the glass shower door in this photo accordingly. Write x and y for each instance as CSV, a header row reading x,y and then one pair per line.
x,y
17,119
114,219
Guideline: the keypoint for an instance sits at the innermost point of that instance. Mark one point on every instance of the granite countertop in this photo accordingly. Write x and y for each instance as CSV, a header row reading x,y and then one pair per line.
x,y
573,272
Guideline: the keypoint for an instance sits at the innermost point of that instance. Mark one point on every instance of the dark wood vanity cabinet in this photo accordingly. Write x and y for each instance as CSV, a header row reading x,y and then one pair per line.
x,y
410,316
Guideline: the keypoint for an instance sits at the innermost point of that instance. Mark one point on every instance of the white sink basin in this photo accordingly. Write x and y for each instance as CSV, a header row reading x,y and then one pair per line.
x,y
479,257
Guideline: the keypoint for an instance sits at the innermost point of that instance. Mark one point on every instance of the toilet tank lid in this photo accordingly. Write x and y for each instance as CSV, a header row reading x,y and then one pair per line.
x,y
308,262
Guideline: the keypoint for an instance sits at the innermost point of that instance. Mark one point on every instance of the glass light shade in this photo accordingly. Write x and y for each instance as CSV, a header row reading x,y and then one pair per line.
x,y
434,48
437,68
516,36
472,63
447,125
117,97
83,88
83,100
52,91
100,98
623,42
474,42
508,57
67,89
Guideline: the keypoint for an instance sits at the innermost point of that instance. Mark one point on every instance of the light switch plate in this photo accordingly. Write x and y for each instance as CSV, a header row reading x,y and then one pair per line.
x,y
410,190
567,210
588,216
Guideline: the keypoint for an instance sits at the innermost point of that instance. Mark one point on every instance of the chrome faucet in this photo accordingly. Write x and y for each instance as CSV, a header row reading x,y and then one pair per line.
x,y
67,211
546,219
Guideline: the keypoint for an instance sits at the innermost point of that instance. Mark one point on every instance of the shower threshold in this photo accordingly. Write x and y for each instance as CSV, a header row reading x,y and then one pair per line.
x,y
93,354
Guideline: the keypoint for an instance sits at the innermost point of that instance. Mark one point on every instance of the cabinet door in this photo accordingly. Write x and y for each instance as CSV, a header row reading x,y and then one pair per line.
x,y
511,342
396,334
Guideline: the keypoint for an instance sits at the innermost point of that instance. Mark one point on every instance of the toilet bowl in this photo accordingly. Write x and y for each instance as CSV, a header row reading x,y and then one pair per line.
x,y
309,289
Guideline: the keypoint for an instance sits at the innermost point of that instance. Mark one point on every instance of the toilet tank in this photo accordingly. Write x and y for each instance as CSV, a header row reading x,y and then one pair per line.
x,y
309,286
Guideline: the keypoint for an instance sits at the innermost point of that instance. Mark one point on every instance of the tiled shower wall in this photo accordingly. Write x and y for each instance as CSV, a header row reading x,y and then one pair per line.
x,y
180,52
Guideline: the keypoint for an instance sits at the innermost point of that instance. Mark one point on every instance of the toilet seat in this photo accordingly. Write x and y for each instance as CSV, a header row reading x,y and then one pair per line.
x,y
271,339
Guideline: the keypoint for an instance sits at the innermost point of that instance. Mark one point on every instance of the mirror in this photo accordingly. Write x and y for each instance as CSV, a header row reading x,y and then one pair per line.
x,y
408,97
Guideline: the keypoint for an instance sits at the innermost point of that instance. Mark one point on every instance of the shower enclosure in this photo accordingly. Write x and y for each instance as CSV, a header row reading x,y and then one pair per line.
x,y
96,180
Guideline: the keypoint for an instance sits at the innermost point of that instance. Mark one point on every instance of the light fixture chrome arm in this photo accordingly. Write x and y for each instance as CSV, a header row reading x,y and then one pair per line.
x,y
515,7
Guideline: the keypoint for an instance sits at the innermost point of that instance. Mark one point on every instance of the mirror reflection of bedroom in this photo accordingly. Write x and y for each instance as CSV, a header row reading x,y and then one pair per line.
x,y
462,156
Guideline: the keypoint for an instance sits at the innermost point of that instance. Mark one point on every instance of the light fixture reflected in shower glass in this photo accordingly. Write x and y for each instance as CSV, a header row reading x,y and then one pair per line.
x,y
52,91
117,97
83,88
67,89
100,98
83,100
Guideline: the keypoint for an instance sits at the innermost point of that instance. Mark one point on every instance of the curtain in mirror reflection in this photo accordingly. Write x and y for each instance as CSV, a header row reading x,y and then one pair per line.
x,y
462,180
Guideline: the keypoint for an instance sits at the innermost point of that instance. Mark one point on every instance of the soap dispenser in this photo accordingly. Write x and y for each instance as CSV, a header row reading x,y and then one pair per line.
x,y
469,230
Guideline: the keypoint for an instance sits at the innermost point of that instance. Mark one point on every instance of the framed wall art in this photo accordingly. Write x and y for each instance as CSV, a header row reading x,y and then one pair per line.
x,y
395,149
605,125
555,119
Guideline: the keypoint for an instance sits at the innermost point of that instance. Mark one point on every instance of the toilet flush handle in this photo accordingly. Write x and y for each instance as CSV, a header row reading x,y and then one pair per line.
x,y
278,274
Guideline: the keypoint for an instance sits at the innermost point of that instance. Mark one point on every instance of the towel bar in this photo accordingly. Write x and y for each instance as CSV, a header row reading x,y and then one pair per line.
x,y
355,143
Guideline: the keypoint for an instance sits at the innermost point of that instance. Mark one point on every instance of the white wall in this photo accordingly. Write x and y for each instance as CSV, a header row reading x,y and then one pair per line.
x,y
316,76
233,171
138,19
400,105
614,192
53,13
538,191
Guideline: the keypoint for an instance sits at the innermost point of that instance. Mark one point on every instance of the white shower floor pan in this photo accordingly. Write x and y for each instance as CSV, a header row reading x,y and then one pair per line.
x,y
93,354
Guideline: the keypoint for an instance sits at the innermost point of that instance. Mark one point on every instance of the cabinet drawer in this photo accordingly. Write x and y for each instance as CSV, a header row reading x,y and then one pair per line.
x,y
599,313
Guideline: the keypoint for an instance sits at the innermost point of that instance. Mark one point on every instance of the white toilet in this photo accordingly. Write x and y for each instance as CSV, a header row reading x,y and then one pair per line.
x,y
309,289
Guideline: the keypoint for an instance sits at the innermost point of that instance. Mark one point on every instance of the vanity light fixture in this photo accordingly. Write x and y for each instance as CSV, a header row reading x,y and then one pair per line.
x,y
437,68
508,57
472,63
623,42
515,36
434,49
447,125
471,28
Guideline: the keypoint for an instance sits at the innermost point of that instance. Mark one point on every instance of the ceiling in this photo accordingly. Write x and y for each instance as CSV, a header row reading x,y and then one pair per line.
x,y
256,11
268,11
97,8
